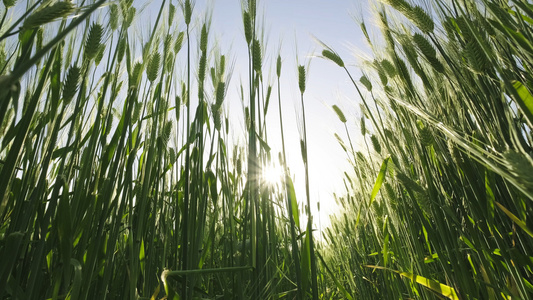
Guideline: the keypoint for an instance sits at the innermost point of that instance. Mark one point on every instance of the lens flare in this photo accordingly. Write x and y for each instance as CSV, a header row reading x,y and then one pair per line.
x,y
272,175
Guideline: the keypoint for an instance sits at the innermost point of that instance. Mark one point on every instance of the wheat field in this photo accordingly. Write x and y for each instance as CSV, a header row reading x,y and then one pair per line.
x,y
121,177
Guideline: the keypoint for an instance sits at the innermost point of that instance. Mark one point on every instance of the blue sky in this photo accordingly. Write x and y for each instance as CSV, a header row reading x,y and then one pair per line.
x,y
292,26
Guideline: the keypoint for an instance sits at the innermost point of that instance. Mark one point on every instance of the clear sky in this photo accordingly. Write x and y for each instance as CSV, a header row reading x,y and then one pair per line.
x,y
292,26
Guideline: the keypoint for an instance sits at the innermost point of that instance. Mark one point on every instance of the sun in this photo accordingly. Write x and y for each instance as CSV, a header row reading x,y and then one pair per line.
x,y
272,175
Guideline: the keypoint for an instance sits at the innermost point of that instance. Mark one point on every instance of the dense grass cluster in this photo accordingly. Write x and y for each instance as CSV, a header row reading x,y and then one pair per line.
x,y
119,177
441,203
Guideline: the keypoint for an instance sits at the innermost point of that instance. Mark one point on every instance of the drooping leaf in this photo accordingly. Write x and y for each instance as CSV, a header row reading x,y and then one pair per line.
x,y
433,285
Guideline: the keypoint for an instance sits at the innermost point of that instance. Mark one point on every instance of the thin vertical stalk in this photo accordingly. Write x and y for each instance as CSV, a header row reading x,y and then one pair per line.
x,y
294,241
301,75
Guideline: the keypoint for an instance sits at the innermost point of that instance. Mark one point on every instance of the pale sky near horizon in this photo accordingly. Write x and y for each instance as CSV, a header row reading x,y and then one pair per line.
x,y
292,26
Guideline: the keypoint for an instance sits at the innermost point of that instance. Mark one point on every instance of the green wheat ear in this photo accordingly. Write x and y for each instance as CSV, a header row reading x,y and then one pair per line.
x,y
278,66
137,68
220,93
301,78
152,68
257,56
389,68
202,67
39,42
184,98
113,17
187,12
129,17
47,14
339,113
121,49
454,152
476,55
179,42
169,61
375,143
400,5
410,52
424,45
247,27
247,117
364,80
252,7
334,57
7,120
171,13
213,75
167,42
383,76
136,112
425,134
217,118
100,54
402,70
226,121
428,51
172,154
92,45
166,133
303,150
203,39
9,3
421,19
222,64
71,84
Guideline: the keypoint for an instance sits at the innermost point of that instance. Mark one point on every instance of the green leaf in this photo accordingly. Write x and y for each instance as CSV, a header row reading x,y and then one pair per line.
x,y
294,203
379,180
433,285
525,101
76,285
437,287
520,39
142,256
515,219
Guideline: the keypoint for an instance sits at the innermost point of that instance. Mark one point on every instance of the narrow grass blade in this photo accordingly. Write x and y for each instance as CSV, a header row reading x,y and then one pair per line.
x,y
207,271
379,180
515,219
337,283
156,292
